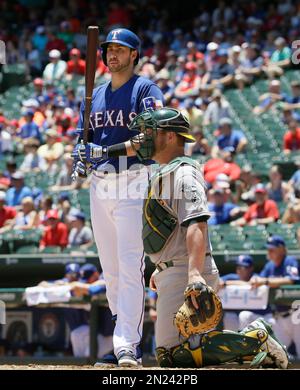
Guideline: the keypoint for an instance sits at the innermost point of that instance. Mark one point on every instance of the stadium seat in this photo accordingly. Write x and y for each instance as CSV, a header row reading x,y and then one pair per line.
x,y
27,249
51,249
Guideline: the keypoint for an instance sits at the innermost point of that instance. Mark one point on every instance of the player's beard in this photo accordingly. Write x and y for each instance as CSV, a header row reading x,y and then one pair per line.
x,y
159,147
119,67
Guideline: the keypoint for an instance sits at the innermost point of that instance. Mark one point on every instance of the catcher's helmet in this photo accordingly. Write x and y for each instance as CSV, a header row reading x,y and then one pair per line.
x,y
125,38
165,118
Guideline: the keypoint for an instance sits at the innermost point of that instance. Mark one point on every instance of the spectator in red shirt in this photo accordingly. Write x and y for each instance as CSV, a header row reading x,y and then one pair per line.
x,y
6,213
56,232
75,66
192,52
55,43
4,181
291,140
224,164
263,211
190,83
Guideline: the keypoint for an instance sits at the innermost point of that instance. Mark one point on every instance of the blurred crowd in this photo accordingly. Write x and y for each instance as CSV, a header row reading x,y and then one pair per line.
x,y
193,61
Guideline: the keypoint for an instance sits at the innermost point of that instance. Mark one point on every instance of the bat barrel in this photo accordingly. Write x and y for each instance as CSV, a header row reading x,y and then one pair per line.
x,y
91,57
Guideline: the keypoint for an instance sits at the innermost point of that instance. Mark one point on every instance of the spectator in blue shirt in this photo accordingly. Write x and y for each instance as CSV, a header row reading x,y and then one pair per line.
x,y
222,72
269,99
238,319
295,98
250,67
221,211
229,138
18,191
40,38
294,181
281,269
30,129
165,84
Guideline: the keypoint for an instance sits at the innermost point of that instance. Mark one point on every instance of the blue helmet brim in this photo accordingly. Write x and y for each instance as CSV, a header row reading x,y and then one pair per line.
x,y
103,45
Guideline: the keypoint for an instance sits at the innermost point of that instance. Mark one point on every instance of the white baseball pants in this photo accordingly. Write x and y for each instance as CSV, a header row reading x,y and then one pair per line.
x,y
116,214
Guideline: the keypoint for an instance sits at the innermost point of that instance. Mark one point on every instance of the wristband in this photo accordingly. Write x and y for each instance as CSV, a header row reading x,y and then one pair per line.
x,y
116,150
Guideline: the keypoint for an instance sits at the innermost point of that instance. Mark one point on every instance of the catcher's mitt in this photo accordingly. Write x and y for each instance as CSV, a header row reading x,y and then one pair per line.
x,y
190,320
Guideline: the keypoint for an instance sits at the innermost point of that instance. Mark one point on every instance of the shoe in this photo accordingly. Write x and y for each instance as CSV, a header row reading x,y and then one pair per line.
x,y
275,352
109,360
127,358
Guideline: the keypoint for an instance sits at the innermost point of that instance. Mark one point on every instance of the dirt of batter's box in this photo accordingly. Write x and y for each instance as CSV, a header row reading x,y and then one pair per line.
x,y
73,367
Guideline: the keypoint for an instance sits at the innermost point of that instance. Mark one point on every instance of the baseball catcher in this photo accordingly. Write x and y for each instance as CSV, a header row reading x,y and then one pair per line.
x,y
175,236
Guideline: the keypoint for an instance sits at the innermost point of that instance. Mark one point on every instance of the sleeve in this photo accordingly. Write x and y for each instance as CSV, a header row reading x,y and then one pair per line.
x,y
275,56
44,239
286,142
272,210
39,135
87,234
42,164
69,70
71,237
26,163
189,194
293,271
27,192
219,142
265,272
230,70
151,98
239,135
79,128
287,53
94,290
247,215
12,213
63,241
230,277
294,177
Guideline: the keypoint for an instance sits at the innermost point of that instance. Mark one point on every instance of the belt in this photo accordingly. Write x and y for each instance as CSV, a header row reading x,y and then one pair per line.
x,y
107,174
164,265
102,174
161,266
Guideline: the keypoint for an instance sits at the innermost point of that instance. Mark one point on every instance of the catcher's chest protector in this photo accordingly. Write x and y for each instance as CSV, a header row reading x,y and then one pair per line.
x,y
159,220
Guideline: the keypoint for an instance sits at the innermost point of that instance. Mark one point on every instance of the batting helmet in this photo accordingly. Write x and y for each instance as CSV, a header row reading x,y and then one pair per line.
x,y
125,38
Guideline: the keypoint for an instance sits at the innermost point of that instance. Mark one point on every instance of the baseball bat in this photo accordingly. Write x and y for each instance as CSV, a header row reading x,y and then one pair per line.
x,y
91,56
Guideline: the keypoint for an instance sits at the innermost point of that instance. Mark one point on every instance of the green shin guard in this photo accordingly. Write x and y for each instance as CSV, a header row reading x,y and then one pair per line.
x,y
218,347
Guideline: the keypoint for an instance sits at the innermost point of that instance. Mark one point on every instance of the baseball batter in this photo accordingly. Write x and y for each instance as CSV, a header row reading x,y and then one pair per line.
x,y
175,236
115,212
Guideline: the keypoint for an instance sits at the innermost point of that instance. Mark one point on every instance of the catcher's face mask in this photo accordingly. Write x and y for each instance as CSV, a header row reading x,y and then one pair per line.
x,y
144,142
149,122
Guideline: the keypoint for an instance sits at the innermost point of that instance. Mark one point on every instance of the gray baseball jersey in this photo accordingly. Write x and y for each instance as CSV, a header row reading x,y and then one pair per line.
x,y
183,193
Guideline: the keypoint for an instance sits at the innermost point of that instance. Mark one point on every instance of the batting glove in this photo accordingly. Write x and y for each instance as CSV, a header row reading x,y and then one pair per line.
x,y
89,152
79,170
